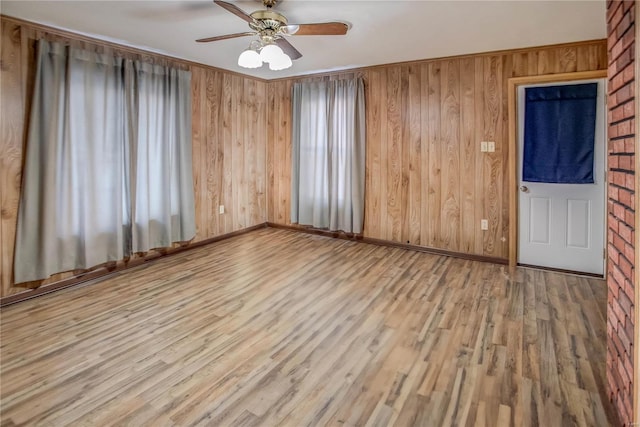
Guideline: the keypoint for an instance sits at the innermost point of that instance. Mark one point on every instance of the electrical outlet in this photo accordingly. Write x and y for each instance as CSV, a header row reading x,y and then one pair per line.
x,y
491,146
483,146
484,224
221,209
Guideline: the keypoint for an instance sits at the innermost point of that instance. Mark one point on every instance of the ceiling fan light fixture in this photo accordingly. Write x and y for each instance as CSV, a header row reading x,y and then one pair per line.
x,y
282,62
270,52
250,59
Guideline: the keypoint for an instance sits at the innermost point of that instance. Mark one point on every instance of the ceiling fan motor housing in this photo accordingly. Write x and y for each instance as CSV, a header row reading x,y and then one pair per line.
x,y
268,19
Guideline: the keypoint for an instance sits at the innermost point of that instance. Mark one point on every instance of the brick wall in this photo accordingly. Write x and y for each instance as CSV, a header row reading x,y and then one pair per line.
x,y
621,205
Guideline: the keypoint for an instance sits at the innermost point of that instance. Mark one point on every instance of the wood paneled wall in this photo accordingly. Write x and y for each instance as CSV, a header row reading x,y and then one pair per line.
x,y
427,183
229,139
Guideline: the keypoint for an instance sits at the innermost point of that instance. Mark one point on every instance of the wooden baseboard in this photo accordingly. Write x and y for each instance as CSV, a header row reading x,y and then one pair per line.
x,y
98,275
381,242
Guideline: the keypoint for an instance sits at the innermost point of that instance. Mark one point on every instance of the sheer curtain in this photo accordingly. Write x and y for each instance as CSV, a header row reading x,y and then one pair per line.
x,y
84,154
161,177
328,155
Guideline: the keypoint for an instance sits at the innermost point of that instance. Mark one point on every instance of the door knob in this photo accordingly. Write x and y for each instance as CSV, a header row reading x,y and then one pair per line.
x,y
524,188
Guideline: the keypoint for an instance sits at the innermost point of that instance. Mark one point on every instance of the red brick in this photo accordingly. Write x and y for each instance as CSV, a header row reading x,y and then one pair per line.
x,y
630,179
625,93
629,328
618,346
625,126
614,14
616,49
626,343
625,267
614,288
629,145
629,252
627,5
629,289
621,78
612,222
619,211
616,82
627,306
629,109
629,217
624,195
624,25
613,192
617,146
626,233
628,366
619,278
621,62
624,162
628,73
618,178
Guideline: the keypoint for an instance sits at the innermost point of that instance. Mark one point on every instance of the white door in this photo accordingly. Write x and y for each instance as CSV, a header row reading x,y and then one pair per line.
x,y
563,225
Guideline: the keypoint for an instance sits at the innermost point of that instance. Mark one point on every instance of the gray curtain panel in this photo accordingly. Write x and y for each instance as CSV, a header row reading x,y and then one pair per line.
x,y
328,154
161,174
84,154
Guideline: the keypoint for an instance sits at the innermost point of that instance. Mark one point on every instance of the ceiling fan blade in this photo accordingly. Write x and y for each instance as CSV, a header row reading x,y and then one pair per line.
x,y
322,29
225,37
288,48
234,9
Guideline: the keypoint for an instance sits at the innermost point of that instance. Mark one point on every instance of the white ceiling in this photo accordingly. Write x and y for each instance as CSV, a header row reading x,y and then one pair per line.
x,y
382,31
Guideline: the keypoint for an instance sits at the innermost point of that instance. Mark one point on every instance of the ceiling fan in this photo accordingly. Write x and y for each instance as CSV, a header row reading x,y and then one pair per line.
x,y
271,27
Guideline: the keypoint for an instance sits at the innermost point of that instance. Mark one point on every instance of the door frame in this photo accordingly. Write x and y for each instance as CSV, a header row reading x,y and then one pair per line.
x,y
513,84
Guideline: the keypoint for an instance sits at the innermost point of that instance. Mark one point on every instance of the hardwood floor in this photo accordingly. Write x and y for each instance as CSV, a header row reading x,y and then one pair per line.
x,y
278,328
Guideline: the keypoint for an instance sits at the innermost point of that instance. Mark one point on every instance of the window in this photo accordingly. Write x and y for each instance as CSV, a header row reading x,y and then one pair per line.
x,y
108,162
328,143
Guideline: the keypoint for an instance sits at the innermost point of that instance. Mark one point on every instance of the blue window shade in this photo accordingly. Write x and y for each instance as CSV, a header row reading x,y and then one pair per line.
x,y
559,132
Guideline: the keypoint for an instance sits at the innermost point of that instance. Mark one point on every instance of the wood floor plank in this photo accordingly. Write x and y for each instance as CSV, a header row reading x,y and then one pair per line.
x,y
281,328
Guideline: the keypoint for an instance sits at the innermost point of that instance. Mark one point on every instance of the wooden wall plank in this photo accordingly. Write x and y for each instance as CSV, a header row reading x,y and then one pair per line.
x,y
234,169
226,153
260,175
12,124
425,208
434,176
220,104
479,208
450,137
384,155
373,158
209,155
196,147
270,152
469,149
492,164
414,154
394,154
